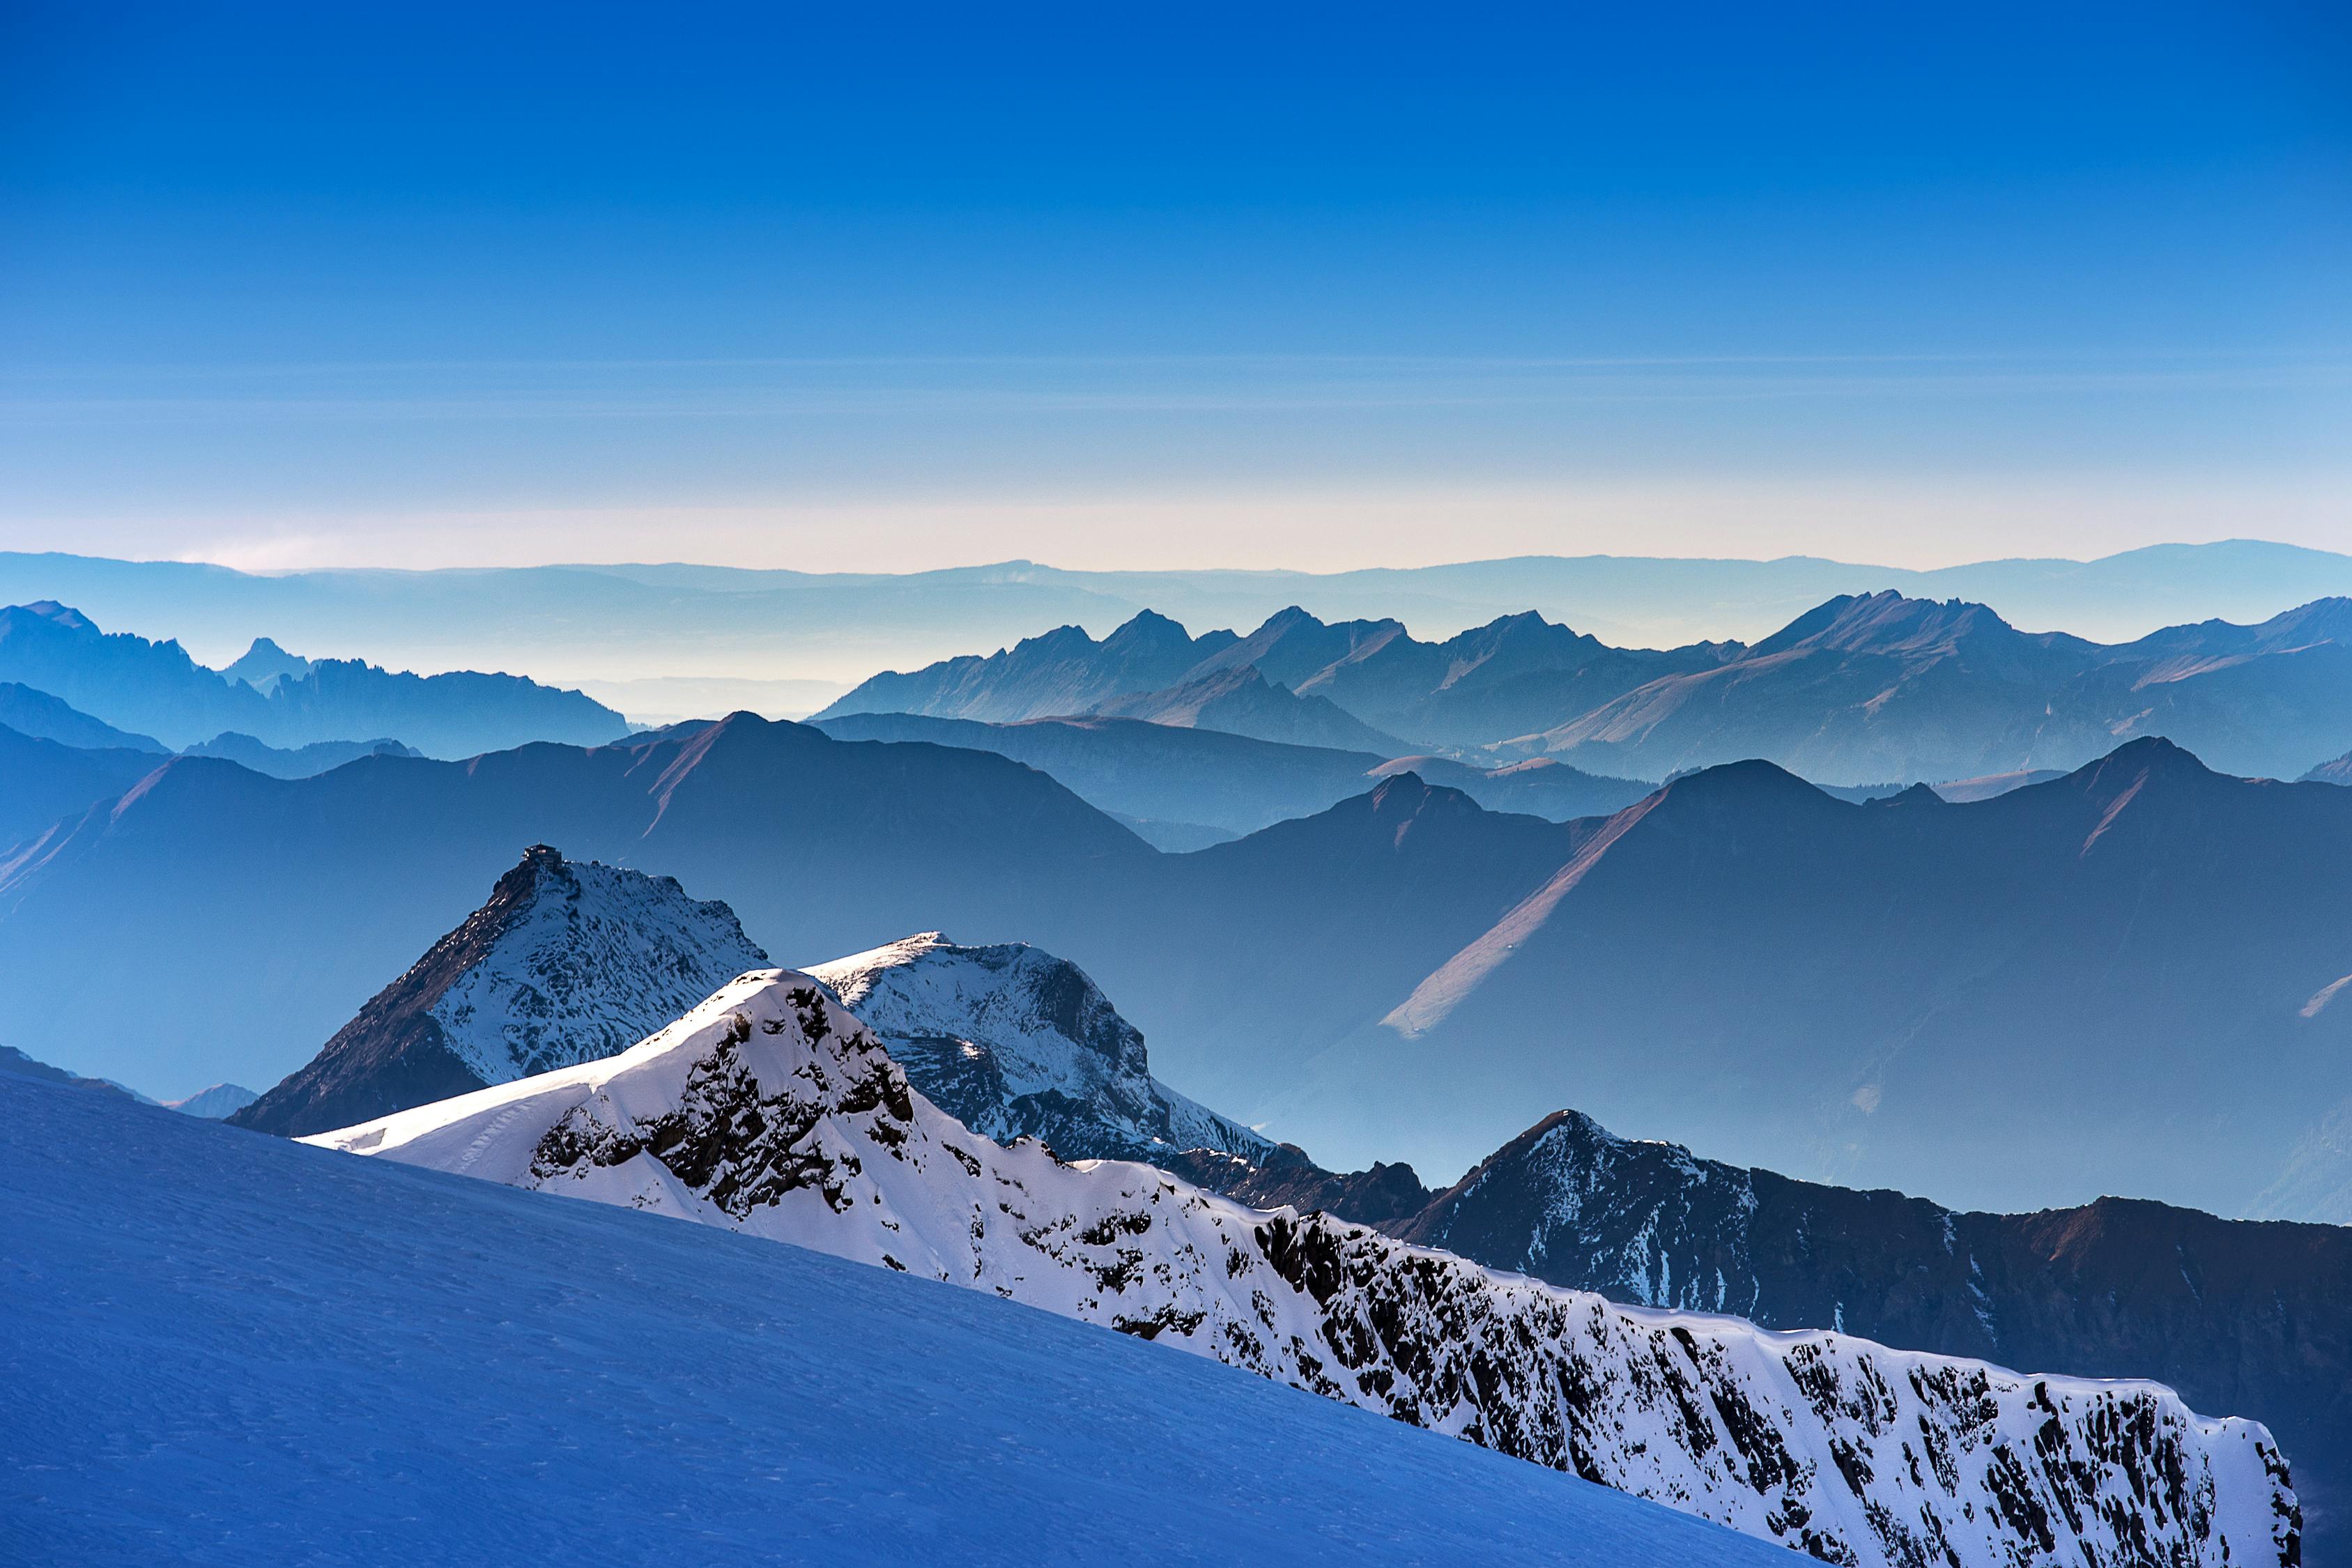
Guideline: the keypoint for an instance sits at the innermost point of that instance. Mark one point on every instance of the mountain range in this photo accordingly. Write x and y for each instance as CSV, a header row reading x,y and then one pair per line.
x,y
1510,676
44,780
1183,788
274,909
2252,1319
1858,689
157,688
461,1372
571,623
2119,981
771,1110
1908,992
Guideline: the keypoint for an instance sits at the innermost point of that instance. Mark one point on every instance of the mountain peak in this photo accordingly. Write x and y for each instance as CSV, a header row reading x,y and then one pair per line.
x,y
1016,1043
566,961
1887,623
1148,629
64,616
1751,780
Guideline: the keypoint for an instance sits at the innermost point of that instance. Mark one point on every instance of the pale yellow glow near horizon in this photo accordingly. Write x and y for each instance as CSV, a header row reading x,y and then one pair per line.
x,y
1919,525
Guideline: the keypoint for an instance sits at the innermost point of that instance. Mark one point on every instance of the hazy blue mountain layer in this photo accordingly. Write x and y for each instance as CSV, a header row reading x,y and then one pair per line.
x,y
41,781
1858,689
156,688
1159,772
563,623
1910,993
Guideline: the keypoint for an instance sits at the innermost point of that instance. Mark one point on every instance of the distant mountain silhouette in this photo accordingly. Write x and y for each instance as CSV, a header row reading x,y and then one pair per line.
x,y
299,763
1062,671
41,781
2122,980
270,910
156,688
46,718
2335,770
1515,674
1160,773
1241,701
1859,690
265,664
1883,687
681,619
2117,980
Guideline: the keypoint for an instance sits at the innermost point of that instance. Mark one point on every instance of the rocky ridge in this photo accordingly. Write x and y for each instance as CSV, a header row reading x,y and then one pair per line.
x,y
772,1111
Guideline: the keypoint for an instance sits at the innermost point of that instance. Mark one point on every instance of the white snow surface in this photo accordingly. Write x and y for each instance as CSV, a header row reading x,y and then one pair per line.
x,y
225,1350
1045,1029
583,969
772,1110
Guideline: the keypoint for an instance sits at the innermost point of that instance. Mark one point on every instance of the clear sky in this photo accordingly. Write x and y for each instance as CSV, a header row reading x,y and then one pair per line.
x,y
1108,285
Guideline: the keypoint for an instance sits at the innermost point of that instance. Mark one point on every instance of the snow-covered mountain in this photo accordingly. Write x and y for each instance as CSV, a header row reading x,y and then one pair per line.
x,y
567,962
772,1111
223,1350
1015,1043
214,1104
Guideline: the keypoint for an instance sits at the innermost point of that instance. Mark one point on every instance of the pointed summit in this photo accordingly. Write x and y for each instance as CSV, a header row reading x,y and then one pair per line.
x,y
567,962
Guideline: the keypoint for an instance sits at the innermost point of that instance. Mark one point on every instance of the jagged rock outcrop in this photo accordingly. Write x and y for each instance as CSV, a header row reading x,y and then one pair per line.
x,y
2249,1317
771,1110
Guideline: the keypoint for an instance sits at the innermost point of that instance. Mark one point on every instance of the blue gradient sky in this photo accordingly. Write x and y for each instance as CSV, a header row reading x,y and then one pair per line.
x,y
1129,286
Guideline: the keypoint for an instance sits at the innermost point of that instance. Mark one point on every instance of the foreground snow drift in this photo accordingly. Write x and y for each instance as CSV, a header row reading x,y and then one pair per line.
x,y
223,1349
771,1110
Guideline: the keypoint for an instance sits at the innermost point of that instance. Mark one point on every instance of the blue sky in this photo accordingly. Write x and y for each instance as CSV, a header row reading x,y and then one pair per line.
x,y
1178,285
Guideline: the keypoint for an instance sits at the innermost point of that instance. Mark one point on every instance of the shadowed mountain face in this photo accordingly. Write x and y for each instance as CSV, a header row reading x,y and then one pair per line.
x,y
299,763
1241,702
2125,979
41,781
37,713
1161,773
272,909
156,688
2251,1317
2119,981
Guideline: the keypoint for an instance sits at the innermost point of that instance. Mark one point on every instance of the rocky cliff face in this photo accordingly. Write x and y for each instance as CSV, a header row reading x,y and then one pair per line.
x,y
568,960
771,1110
1015,1043
2249,1317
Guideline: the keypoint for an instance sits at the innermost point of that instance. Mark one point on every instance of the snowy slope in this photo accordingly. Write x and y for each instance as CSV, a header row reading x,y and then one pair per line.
x,y
772,1111
1014,1042
566,961
227,1350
